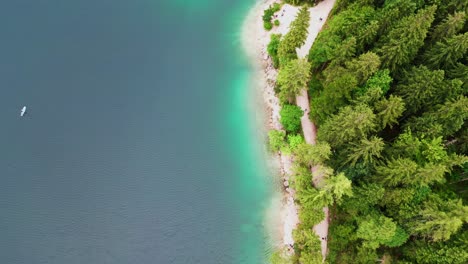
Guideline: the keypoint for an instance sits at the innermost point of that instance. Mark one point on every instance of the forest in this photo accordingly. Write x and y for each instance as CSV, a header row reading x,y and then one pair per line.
x,y
387,82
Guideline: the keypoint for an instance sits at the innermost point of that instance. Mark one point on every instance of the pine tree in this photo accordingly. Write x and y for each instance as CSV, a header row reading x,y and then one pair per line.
x,y
348,125
420,88
368,34
449,27
446,53
334,190
364,66
397,172
292,78
403,42
460,71
295,37
445,121
389,110
311,155
392,13
344,52
369,150
440,219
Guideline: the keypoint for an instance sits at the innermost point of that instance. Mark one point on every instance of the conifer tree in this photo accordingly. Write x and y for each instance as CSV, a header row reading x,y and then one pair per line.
x,y
446,53
460,71
392,13
449,27
420,88
446,120
389,110
364,66
368,34
440,219
397,172
369,150
348,125
311,155
292,78
403,42
295,37
344,51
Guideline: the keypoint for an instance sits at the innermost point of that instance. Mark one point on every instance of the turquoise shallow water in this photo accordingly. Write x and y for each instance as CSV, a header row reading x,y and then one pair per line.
x,y
139,144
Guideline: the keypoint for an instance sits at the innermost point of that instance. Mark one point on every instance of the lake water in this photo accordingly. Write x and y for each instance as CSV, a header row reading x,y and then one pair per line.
x,y
138,145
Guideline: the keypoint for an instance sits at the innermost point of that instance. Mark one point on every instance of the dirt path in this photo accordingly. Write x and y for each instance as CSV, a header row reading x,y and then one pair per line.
x,y
318,16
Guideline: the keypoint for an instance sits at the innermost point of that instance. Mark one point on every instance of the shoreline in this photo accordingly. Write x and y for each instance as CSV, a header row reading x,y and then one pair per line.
x,y
254,40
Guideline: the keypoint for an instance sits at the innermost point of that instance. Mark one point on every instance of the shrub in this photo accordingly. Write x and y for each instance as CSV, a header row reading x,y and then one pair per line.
x,y
276,22
276,7
267,25
294,141
276,138
267,14
272,48
291,118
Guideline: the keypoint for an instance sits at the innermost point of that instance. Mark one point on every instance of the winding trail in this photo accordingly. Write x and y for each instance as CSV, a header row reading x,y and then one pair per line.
x,y
302,100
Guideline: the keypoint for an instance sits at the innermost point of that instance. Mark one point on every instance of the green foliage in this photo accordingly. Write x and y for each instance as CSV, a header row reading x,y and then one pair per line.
x,y
335,189
376,231
350,124
295,37
402,43
291,118
311,214
308,245
366,65
445,54
276,22
444,121
295,141
439,220
420,88
268,15
277,139
293,78
311,155
368,150
449,27
398,239
388,94
278,257
428,252
380,80
389,110
272,48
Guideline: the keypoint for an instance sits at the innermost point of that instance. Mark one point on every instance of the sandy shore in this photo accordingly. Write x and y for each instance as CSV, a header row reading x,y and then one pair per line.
x,y
255,40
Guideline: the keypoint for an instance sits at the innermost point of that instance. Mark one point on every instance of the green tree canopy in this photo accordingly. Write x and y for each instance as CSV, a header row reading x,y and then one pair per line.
x,y
449,27
291,118
376,231
364,66
350,124
420,88
292,78
389,110
367,150
446,53
439,220
402,43
295,37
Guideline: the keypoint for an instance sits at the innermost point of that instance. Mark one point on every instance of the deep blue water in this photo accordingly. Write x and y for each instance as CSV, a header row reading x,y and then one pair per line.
x,y
136,147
